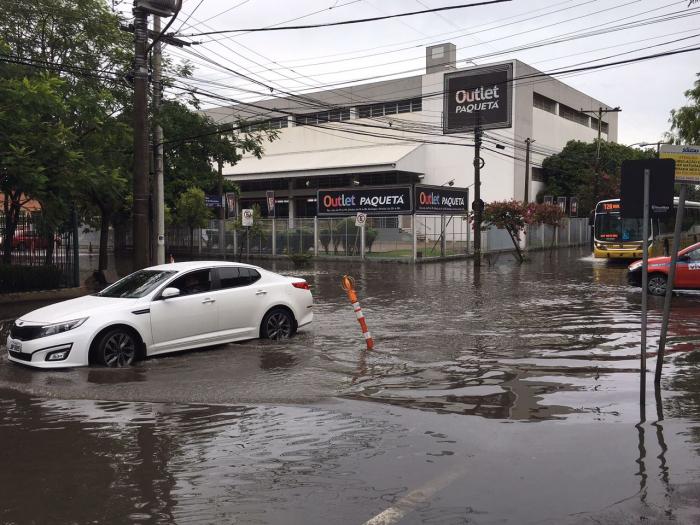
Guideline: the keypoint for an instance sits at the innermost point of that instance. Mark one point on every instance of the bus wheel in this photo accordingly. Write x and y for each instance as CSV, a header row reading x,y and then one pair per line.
x,y
657,284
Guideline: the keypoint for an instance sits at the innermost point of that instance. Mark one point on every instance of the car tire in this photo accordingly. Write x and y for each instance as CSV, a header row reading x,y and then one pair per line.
x,y
277,324
117,348
657,284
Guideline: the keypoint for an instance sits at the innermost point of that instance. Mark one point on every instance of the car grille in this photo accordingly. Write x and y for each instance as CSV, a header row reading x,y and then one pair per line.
x,y
24,333
21,356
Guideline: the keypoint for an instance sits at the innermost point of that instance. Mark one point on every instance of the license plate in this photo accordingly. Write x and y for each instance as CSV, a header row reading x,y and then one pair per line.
x,y
15,346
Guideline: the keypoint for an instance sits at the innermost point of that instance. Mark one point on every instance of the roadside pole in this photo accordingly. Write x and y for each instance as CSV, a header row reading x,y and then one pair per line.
x,y
477,207
141,256
669,284
158,189
528,141
222,210
645,275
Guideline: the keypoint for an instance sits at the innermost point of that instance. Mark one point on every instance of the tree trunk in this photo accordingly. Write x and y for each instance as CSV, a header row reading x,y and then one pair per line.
x,y
516,244
104,239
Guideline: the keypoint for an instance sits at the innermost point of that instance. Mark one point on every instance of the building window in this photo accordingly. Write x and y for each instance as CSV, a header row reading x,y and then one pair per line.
x,y
537,174
544,103
390,108
573,115
273,123
603,125
321,117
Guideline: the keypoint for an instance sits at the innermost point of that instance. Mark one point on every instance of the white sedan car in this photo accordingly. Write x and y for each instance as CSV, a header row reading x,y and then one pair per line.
x,y
162,309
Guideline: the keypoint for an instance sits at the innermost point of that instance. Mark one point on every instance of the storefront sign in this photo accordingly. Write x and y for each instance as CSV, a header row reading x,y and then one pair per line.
x,y
212,201
478,97
247,217
231,205
439,200
573,207
687,161
372,201
561,202
270,196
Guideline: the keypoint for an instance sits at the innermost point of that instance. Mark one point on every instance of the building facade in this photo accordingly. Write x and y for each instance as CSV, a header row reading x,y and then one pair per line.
x,y
391,132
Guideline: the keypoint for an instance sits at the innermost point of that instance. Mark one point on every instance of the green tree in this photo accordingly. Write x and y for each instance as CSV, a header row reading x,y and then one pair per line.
x,y
685,121
78,46
34,144
191,211
193,161
576,171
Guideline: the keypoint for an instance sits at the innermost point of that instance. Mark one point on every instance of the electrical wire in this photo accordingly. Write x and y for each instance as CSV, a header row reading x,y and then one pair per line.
x,y
348,22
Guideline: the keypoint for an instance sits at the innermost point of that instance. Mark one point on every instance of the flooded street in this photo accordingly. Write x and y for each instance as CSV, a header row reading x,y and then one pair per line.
x,y
505,395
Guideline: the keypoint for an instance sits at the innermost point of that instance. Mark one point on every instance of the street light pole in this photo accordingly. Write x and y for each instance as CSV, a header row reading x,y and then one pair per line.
x,y
158,189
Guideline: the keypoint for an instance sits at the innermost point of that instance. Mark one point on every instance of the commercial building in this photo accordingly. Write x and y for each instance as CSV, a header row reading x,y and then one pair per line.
x,y
391,132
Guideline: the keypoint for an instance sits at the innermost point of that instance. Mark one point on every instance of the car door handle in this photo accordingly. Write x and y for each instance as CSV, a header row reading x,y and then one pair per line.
x,y
260,292
208,300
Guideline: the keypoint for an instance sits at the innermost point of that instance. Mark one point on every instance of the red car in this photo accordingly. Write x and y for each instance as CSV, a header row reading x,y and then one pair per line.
x,y
30,240
687,271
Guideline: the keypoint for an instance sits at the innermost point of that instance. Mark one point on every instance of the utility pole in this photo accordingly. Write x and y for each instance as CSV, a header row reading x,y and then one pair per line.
x,y
599,112
478,205
141,256
528,141
222,211
158,187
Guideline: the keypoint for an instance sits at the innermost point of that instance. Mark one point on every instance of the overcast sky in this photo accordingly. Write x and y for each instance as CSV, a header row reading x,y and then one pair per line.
x,y
310,59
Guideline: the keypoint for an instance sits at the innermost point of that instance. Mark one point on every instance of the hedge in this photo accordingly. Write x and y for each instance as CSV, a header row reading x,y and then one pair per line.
x,y
16,278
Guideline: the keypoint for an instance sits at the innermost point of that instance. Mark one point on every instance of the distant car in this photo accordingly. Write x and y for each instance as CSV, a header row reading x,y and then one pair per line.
x,y
31,240
687,271
162,309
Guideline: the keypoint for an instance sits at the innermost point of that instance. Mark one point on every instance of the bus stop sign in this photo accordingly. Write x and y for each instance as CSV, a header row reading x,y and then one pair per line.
x,y
661,178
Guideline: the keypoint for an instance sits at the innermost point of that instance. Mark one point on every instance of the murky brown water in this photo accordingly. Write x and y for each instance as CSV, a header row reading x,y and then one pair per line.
x,y
510,394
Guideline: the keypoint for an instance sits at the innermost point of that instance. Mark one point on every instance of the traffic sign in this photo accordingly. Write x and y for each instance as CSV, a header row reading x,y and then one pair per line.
x,y
247,217
360,220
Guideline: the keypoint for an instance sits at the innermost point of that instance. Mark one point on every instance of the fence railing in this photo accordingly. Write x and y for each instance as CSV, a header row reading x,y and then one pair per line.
x,y
36,255
392,237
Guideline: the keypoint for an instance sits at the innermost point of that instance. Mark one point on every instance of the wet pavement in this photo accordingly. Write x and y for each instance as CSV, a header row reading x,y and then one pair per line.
x,y
509,395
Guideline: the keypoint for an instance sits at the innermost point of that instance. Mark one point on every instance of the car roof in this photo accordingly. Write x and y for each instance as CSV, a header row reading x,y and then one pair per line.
x,y
194,265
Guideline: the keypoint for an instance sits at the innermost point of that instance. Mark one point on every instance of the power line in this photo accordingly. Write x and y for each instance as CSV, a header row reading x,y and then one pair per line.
x,y
348,22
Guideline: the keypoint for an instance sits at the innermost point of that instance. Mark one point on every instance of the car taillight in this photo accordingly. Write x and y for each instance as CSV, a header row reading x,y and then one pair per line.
x,y
302,285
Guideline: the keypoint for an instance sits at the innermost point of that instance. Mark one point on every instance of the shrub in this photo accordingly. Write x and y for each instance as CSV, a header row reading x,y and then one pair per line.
x,y
15,278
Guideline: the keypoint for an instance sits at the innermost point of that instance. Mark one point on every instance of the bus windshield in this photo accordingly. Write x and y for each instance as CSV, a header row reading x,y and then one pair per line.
x,y
612,227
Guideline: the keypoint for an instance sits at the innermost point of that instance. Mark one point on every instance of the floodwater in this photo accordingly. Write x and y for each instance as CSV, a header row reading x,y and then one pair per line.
x,y
505,395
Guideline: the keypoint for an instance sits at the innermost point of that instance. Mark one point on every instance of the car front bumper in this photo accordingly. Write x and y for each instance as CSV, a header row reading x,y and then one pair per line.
x,y
36,352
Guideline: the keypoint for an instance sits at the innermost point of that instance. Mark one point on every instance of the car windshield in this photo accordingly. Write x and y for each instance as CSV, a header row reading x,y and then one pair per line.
x,y
612,227
137,284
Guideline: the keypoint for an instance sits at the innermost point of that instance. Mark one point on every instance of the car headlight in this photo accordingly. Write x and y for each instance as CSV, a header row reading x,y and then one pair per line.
x,y
57,328
634,266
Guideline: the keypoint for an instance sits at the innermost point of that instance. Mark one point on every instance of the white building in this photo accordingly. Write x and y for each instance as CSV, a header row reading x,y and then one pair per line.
x,y
388,132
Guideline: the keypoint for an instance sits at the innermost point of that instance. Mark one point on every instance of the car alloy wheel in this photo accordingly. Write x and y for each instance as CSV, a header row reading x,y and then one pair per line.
x,y
117,349
278,324
657,284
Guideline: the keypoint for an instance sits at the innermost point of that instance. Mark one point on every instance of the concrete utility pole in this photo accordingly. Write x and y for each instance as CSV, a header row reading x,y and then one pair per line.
x,y
528,141
478,205
222,210
141,257
599,112
158,187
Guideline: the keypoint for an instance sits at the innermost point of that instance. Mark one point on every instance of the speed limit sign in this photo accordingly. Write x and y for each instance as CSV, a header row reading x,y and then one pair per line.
x,y
247,219
360,220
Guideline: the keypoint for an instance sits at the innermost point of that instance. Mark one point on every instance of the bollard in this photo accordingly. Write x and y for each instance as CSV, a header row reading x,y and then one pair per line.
x,y
348,284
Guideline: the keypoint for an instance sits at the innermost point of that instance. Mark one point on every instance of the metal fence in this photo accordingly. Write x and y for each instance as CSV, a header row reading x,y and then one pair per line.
x,y
392,237
51,252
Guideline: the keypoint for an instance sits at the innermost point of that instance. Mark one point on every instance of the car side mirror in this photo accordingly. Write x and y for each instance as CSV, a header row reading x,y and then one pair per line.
x,y
170,292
